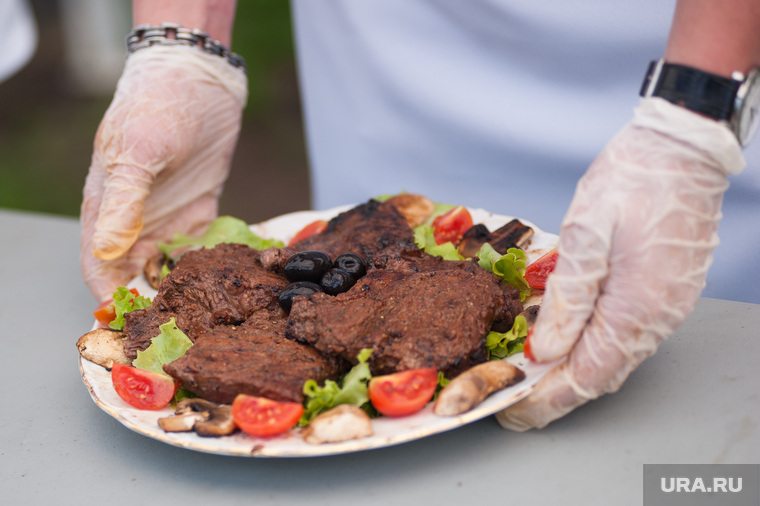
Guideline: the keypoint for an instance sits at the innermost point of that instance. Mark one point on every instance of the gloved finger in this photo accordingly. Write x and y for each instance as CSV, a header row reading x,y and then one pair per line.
x,y
597,364
581,270
103,277
120,217
552,398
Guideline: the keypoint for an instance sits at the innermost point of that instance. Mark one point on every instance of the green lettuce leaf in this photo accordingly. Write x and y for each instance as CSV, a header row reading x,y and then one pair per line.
x,y
425,240
501,345
442,382
224,229
166,347
125,301
510,267
352,390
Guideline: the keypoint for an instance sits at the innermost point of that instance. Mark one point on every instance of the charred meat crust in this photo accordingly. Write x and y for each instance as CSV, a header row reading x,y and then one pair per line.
x,y
411,314
208,288
224,285
253,359
370,229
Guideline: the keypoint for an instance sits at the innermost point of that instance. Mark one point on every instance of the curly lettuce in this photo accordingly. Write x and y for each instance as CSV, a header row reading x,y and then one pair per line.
x,y
510,267
125,301
504,344
224,229
351,390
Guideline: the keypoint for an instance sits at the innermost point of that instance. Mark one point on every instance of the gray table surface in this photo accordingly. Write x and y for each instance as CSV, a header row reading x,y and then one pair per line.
x,y
696,401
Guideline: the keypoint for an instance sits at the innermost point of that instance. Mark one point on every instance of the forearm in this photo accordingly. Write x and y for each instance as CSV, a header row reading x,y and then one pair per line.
x,y
215,17
716,36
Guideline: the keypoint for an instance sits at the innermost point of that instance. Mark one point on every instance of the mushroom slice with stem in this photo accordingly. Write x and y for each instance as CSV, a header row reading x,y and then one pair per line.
x,y
104,347
184,422
204,417
472,386
220,423
341,423
153,269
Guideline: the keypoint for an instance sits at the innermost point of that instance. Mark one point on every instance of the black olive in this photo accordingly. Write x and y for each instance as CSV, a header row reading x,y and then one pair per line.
x,y
294,290
337,281
351,263
307,266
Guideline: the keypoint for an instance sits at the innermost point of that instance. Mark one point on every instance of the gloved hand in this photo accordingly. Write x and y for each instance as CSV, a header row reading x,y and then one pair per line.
x,y
634,251
161,155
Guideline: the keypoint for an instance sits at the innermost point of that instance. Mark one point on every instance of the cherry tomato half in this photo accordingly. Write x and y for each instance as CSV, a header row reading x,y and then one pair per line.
x,y
403,393
309,230
451,226
142,389
105,313
259,416
537,272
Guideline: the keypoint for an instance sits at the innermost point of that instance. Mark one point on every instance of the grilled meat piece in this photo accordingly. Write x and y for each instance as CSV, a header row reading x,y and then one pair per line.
x,y
254,358
142,325
219,286
208,288
416,261
412,315
369,229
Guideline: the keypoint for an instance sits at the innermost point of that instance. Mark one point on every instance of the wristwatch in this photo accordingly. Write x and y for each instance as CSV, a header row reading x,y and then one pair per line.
x,y
733,100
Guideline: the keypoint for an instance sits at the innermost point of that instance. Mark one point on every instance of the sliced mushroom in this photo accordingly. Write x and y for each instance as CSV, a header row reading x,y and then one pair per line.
x,y
153,268
220,423
341,423
472,386
104,347
184,422
415,208
206,418
531,313
512,235
472,240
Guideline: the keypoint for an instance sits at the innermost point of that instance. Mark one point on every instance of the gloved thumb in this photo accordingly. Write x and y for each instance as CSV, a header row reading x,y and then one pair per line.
x,y
120,219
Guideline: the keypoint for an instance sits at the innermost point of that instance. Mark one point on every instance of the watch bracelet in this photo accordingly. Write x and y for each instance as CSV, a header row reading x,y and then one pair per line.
x,y
690,88
146,35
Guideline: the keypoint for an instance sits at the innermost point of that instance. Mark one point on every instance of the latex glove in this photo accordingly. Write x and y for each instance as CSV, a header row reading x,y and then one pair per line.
x,y
634,250
161,155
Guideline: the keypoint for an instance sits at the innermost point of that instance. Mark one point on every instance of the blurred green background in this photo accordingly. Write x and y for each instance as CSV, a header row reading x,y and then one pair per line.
x,y
49,115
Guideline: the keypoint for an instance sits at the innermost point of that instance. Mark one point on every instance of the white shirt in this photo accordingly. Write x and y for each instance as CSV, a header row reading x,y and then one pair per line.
x,y
500,104
18,36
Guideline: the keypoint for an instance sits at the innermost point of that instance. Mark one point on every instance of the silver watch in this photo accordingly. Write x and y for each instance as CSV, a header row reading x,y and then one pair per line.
x,y
733,100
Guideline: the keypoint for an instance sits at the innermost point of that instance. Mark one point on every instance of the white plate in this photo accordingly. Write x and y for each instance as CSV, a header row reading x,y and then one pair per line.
x,y
387,431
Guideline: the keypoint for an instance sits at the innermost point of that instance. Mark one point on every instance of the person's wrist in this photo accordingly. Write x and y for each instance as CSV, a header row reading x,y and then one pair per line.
x,y
214,17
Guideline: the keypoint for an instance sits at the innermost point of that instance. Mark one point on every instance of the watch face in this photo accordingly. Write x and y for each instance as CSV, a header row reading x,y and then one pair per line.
x,y
746,108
